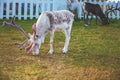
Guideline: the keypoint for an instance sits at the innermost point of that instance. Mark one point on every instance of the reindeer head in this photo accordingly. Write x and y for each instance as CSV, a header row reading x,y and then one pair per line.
x,y
32,40
105,21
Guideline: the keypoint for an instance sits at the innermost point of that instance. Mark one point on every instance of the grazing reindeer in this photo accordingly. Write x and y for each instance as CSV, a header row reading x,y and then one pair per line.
x,y
47,22
96,10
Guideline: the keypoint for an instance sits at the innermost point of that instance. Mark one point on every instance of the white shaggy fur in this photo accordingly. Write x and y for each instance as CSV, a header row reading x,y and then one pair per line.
x,y
49,22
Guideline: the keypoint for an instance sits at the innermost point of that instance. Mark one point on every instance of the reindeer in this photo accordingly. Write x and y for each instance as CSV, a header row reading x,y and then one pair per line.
x,y
88,9
95,9
48,22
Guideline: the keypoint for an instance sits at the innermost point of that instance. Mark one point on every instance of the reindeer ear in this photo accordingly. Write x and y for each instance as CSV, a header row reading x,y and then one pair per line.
x,y
34,27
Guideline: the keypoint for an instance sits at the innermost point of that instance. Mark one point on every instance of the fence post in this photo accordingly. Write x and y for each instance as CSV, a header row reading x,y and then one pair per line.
x,y
36,14
90,1
54,5
118,14
42,6
104,6
31,9
79,10
1,9
114,5
19,10
48,5
7,9
25,10
13,9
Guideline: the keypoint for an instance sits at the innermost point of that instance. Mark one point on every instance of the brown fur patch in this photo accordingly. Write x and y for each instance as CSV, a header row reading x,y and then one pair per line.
x,y
58,18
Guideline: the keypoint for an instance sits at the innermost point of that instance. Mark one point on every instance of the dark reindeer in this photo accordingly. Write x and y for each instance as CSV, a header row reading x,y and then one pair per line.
x,y
95,9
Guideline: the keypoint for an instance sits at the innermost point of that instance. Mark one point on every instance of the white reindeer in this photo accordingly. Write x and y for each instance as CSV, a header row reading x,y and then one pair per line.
x,y
48,22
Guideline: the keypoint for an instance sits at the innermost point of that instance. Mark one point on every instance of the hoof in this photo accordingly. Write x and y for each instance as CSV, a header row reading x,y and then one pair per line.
x,y
50,52
64,51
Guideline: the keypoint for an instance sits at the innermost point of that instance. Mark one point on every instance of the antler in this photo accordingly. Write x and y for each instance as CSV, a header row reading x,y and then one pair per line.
x,y
22,45
117,8
112,9
13,25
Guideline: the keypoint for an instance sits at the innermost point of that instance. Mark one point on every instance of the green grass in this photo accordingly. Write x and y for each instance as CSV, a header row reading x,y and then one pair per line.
x,y
94,54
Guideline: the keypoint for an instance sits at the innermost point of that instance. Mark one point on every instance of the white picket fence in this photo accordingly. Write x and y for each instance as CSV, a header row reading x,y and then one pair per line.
x,y
30,9
27,8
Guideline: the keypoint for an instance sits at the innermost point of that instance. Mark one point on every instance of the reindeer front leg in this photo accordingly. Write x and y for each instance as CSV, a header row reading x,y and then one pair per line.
x,y
43,38
51,42
67,35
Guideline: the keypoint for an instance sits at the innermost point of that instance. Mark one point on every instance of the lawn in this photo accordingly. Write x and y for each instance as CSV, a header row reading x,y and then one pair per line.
x,y
94,54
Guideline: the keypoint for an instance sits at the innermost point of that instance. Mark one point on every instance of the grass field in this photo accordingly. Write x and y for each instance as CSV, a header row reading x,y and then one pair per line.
x,y
94,54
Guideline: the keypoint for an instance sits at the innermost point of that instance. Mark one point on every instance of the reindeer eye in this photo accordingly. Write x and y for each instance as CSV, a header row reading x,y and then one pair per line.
x,y
37,36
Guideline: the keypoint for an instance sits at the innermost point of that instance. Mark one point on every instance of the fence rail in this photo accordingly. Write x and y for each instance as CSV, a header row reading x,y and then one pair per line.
x,y
24,9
